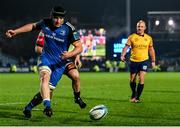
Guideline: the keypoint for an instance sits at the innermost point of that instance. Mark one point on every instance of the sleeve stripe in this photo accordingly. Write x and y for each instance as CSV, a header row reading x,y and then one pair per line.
x,y
70,25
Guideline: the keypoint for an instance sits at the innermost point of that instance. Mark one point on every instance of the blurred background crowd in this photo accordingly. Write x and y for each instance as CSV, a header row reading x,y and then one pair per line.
x,y
103,26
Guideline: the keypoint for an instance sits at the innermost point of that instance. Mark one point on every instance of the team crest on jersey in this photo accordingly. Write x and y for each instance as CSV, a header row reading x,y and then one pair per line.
x,y
136,39
62,32
145,39
144,67
54,34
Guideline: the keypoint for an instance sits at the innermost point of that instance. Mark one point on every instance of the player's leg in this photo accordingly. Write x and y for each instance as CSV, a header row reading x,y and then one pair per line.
x,y
45,91
55,77
73,74
143,70
140,86
133,86
133,74
37,99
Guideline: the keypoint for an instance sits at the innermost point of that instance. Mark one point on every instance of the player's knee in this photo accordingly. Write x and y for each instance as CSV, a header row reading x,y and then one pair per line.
x,y
74,75
76,78
44,76
51,93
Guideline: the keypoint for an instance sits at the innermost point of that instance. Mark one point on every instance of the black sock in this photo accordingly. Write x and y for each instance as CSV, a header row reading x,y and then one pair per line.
x,y
139,90
133,89
37,99
76,95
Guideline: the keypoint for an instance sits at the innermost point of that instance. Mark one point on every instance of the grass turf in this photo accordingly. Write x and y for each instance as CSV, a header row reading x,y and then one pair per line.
x,y
160,100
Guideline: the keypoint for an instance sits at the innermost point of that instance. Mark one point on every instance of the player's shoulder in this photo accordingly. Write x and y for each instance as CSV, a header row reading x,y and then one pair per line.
x,y
70,26
147,36
132,35
44,21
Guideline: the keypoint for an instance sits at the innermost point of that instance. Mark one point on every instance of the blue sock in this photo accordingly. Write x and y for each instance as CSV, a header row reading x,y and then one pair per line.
x,y
47,103
29,107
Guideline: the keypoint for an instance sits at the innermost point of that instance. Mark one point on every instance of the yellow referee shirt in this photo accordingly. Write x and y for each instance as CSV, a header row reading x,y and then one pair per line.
x,y
139,46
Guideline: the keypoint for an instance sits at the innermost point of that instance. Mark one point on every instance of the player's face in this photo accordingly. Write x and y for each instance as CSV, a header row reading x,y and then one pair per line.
x,y
57,20
141,28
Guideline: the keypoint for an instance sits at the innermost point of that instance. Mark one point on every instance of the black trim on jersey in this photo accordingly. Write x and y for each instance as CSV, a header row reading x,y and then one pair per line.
x,y
72,30
140,35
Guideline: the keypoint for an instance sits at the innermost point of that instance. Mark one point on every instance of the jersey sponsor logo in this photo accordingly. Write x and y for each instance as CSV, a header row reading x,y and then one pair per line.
x,y
55,38
140,46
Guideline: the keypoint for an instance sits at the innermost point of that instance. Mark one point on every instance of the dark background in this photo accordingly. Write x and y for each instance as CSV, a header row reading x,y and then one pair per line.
x,y
110,14
88,11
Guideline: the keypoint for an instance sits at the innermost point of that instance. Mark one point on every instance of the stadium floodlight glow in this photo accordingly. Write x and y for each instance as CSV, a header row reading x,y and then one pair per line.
x,y
171,22
157,22
114,55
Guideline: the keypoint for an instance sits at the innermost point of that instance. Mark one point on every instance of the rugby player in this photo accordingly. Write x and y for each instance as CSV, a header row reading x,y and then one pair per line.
x,y
58,35
141,47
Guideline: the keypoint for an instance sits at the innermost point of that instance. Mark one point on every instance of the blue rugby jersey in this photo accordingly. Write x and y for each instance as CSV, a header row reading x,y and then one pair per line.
x,y
57,40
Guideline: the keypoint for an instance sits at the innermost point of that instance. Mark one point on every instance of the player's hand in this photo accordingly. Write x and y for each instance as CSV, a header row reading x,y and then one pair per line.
x,y
78,63
122,58
65,55
153,64
10,33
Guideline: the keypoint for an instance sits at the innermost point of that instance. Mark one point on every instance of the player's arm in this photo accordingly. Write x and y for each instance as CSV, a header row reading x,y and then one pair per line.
x,y
76,51
75,41
26,28
153,56
40,43
38,49
124,52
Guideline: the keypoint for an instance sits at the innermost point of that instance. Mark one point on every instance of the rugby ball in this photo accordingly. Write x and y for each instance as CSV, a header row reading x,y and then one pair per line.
x,y
98,112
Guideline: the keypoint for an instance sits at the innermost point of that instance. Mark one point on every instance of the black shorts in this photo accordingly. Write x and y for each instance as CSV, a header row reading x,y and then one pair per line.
x,y
136,67
69,66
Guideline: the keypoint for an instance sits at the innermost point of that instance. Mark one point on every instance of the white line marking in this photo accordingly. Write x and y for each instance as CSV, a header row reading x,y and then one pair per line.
x,y
14,103
19,103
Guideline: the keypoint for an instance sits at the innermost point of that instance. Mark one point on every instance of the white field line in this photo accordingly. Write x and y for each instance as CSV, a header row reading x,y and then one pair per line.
x,y
12,103
19,103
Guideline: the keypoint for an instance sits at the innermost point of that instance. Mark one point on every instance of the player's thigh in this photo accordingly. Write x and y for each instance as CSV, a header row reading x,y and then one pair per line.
x,y
55,77
43,65
73,74
71,71
44,73
134,67
133,77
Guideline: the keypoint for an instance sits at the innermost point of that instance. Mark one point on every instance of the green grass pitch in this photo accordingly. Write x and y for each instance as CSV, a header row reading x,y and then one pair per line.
x,y
160,100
